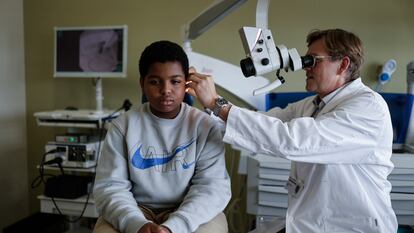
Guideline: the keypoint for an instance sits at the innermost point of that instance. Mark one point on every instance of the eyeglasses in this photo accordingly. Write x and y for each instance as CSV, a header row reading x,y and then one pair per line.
x,y
317,58
309,61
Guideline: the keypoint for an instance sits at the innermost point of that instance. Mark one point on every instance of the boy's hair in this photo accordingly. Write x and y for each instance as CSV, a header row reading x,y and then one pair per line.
x,y
162,51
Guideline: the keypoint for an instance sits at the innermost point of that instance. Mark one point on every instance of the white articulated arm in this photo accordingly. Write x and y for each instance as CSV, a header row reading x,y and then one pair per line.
x,y
226,75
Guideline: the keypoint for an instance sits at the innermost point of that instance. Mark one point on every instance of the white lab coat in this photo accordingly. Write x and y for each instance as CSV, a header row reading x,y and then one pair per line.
x,y
342,157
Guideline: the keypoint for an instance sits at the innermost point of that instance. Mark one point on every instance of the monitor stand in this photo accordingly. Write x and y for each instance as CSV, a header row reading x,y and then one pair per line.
x,y
99,96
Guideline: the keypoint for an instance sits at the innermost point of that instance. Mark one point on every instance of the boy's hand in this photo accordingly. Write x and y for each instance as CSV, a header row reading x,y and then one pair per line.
x,y
153,228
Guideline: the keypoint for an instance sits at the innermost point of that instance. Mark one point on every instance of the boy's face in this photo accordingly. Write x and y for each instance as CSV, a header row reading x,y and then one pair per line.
x,y
164,87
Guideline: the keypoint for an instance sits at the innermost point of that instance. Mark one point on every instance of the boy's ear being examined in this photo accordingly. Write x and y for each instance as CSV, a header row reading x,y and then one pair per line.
x,y
141,82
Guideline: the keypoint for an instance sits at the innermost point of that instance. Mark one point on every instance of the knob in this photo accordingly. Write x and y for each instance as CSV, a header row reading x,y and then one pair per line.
x,y
265,61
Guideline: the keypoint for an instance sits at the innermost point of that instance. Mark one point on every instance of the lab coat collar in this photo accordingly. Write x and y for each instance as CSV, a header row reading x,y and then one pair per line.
x,y
331,95
332,99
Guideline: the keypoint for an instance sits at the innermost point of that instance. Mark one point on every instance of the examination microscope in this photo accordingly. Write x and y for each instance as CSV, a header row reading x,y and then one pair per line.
x,y
263,56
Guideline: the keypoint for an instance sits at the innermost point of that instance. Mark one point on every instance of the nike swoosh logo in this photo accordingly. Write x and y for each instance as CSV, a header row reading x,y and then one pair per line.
x,y
140,162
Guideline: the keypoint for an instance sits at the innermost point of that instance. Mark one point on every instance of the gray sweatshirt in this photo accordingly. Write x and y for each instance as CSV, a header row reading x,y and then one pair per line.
x,y
162,163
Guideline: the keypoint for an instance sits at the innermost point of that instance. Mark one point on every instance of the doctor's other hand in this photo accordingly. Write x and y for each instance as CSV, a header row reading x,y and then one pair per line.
x,y
201,86
153,228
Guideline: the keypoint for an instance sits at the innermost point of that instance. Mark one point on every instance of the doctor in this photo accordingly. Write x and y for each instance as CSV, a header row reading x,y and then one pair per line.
x,y
339,141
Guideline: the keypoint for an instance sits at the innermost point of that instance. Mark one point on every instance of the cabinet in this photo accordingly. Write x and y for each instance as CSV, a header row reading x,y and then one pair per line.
x,y
267,198
75,153
402,193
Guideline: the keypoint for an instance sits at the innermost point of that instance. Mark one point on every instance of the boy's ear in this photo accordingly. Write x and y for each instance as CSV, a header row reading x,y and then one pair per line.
x,y
141,82
144,98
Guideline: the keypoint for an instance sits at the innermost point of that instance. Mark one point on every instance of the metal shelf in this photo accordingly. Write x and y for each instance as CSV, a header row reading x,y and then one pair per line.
x,y
70,207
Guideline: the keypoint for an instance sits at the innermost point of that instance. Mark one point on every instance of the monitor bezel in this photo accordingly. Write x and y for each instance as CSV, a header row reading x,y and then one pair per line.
x,y
88,74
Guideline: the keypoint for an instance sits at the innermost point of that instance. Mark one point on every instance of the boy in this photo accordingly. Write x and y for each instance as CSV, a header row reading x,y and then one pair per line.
x,y
162,167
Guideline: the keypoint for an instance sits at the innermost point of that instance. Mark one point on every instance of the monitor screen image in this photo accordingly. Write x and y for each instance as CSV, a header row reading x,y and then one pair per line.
x,y
91,52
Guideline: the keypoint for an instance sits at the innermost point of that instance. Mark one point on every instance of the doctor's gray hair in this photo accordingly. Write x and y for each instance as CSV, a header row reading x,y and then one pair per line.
x,y
340,44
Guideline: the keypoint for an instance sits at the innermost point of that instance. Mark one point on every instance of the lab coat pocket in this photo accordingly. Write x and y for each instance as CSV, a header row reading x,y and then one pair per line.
x,y
344,224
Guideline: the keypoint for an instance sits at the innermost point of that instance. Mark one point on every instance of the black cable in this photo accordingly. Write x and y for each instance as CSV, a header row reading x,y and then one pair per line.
x,y
58,161
77,218
40,179
57,207
126,105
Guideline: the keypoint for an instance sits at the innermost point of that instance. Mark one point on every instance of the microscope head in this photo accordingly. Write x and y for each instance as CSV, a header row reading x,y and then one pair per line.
x,y
263,56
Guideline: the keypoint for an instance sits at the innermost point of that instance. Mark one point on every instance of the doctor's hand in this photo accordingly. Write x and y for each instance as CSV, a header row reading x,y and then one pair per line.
x,y
153,228
201,86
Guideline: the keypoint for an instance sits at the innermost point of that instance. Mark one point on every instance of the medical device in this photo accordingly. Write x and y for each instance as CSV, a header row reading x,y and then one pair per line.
x,y
226,75
74,155
263,56
388,69
91,52
384,76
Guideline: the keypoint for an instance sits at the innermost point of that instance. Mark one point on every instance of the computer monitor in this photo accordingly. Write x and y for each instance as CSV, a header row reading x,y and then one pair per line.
x,y
90,52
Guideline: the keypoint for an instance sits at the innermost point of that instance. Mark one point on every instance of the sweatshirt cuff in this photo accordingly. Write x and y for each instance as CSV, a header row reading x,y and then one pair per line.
x,y
134,224
177,224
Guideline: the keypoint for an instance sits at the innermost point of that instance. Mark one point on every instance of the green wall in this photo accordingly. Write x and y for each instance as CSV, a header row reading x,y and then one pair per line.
x,y
384,26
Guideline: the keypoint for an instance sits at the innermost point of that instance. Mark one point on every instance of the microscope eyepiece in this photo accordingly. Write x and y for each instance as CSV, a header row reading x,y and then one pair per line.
x,y
307,61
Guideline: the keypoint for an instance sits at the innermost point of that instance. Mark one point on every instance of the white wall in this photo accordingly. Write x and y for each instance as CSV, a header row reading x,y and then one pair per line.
x,y
13,149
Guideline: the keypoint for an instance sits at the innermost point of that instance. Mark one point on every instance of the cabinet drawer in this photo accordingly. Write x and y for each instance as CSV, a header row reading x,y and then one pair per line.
x,y
273,180
272,194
